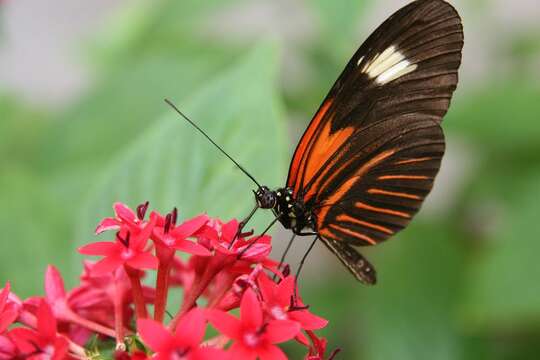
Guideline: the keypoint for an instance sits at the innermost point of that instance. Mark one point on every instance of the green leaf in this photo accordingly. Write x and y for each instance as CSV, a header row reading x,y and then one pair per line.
x,y
172,165
118,110
502,287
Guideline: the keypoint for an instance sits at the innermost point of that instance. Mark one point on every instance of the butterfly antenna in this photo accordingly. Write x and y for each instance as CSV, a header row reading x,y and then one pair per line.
x,y
212,141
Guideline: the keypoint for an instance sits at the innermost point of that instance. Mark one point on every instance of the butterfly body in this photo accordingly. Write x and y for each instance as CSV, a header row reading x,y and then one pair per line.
x,y
291,212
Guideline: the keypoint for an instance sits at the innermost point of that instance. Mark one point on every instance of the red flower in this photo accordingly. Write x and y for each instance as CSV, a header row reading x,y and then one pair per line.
x,y
126,250
175,237
279,304
236,287
8,311
253,336
184,343
227,269
253,249
44,342
318,348
55,293
125,217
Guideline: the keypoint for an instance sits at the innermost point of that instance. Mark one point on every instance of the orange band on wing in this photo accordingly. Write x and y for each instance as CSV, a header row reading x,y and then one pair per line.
x,y
304,142
327,234
361,205
392,193
409,161
347,218
346,186
403,177
324,147
353,233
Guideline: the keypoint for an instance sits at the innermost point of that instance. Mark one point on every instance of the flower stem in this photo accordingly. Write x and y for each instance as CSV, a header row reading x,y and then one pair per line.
x,y
214,267
79,320
76,349
162,290
119,317
136,289
224,287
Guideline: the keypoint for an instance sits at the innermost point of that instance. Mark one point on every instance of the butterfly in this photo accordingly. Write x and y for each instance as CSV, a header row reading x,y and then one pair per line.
x,y
370,154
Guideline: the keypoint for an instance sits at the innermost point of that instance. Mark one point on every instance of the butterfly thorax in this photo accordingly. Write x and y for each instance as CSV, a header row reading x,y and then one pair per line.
x,y
291,212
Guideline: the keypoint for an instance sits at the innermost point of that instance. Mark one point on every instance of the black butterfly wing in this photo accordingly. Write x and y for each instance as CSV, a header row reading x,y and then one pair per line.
x,y
370,155
378,183
408,67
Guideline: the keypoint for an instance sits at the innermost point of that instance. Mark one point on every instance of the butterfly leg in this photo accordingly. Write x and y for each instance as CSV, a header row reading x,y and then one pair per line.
x,y
300,266
247,218
243,223
282,260
257,238
307,233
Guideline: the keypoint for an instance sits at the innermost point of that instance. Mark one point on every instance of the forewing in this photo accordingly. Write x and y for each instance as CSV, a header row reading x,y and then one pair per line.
x,y
407,69
379,182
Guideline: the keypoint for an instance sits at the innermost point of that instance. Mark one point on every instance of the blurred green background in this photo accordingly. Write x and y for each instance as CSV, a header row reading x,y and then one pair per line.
x,y
83,124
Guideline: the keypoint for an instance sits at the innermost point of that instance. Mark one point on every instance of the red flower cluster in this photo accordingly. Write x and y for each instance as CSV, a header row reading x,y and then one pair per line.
x,y
226,270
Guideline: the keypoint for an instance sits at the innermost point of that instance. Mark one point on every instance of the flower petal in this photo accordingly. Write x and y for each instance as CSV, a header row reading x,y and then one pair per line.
x,y
191,327
225,323
285,291
228,230
267,286
25,339
279,331
139,242
4,295
256,252
106,265
154,335
251,313
302,339
107,224
7,347
60,348
102,248
209,353
54,285
271,352
191,248
190,227
143,261
124,212
46,322
307,320
7,318
239,352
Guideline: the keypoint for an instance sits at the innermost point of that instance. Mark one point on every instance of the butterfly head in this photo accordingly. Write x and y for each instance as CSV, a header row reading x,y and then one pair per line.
x,y
266,198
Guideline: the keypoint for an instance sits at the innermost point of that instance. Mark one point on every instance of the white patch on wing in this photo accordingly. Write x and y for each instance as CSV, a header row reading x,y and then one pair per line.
x,y
402,68
359,61
388,66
